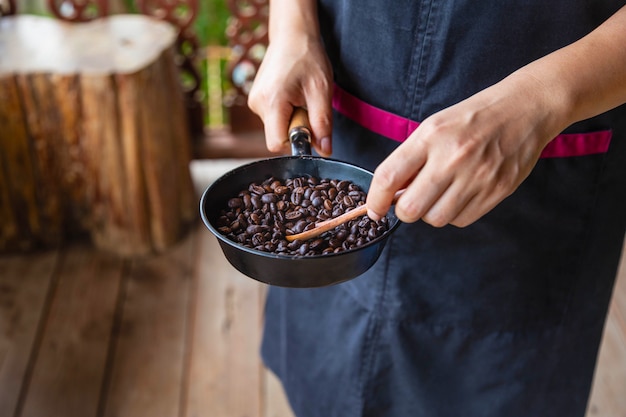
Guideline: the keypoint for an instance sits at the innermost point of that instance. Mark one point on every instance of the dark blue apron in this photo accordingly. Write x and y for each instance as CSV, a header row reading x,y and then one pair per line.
x,y
502,318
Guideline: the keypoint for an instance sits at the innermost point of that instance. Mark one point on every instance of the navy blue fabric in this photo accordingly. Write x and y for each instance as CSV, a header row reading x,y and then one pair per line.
x,y
502,318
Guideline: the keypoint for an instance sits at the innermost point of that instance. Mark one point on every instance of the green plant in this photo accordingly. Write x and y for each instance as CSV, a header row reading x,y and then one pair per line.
x,y
210,24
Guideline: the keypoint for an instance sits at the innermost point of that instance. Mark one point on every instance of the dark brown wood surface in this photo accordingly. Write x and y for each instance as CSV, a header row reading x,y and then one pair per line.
x,y
26,288
70,360
149,358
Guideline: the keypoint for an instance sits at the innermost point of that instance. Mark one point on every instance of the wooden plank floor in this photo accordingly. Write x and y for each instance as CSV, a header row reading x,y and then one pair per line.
x,y
85,334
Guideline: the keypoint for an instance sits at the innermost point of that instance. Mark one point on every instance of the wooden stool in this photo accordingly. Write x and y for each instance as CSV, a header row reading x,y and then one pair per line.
x,y
93,134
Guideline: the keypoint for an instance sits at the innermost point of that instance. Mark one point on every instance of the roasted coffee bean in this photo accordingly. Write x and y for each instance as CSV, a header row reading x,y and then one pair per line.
x,y
282,205
293,246
247,202
258,239
294,215
269,198
343,185
235,202
256,189
334,242
263,214
323,216
299,226
256,201
372,233
364,222
332,193
254,229
303,249
281,190
317,202
296,196
318,244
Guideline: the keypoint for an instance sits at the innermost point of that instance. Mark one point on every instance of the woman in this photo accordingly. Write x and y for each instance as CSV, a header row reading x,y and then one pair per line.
x,y
504,122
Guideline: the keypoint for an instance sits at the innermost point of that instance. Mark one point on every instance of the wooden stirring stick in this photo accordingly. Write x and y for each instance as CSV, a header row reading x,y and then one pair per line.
x,y
330,224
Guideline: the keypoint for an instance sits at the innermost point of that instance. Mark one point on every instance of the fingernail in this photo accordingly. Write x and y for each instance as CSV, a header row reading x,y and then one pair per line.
x,y
373,216
326,146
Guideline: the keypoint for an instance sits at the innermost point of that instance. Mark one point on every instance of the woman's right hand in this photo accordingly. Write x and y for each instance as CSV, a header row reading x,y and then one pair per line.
x,y
295,72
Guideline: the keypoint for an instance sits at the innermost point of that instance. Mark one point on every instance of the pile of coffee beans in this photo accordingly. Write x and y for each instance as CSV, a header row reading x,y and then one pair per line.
x,y
262,215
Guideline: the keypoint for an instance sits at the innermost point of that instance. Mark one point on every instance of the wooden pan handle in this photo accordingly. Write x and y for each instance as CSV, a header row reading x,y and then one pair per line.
x,y
300,132
299,120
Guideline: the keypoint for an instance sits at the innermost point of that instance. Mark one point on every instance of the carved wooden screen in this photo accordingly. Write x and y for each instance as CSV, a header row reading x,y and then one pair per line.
x,y
247,34
78,10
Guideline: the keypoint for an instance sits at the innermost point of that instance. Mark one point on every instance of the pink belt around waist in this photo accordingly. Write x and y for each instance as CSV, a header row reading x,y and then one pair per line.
x,y
399,128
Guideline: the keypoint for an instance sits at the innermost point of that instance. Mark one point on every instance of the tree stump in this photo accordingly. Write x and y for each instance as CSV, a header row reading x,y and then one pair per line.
x,y
93,134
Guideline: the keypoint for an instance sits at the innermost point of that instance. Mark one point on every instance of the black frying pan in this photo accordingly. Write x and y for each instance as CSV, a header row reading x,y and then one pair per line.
x,y
284,270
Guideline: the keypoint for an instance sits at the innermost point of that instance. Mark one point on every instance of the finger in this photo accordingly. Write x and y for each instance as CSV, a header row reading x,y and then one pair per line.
x,y
468,214
476,208
422,193
276,124
448,206
320,118
393,174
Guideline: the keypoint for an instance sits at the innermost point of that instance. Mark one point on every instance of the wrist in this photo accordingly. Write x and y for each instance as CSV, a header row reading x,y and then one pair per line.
x,y
547,103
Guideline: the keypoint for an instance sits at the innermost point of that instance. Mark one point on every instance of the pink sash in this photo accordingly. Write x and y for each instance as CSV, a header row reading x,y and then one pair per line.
x,y
399,128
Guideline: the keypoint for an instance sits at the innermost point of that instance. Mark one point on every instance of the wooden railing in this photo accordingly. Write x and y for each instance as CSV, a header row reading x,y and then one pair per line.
x,y
247,33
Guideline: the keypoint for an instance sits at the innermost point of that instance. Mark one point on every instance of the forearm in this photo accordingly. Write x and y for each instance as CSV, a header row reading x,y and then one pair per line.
x,y
295,72
587,77
290,18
